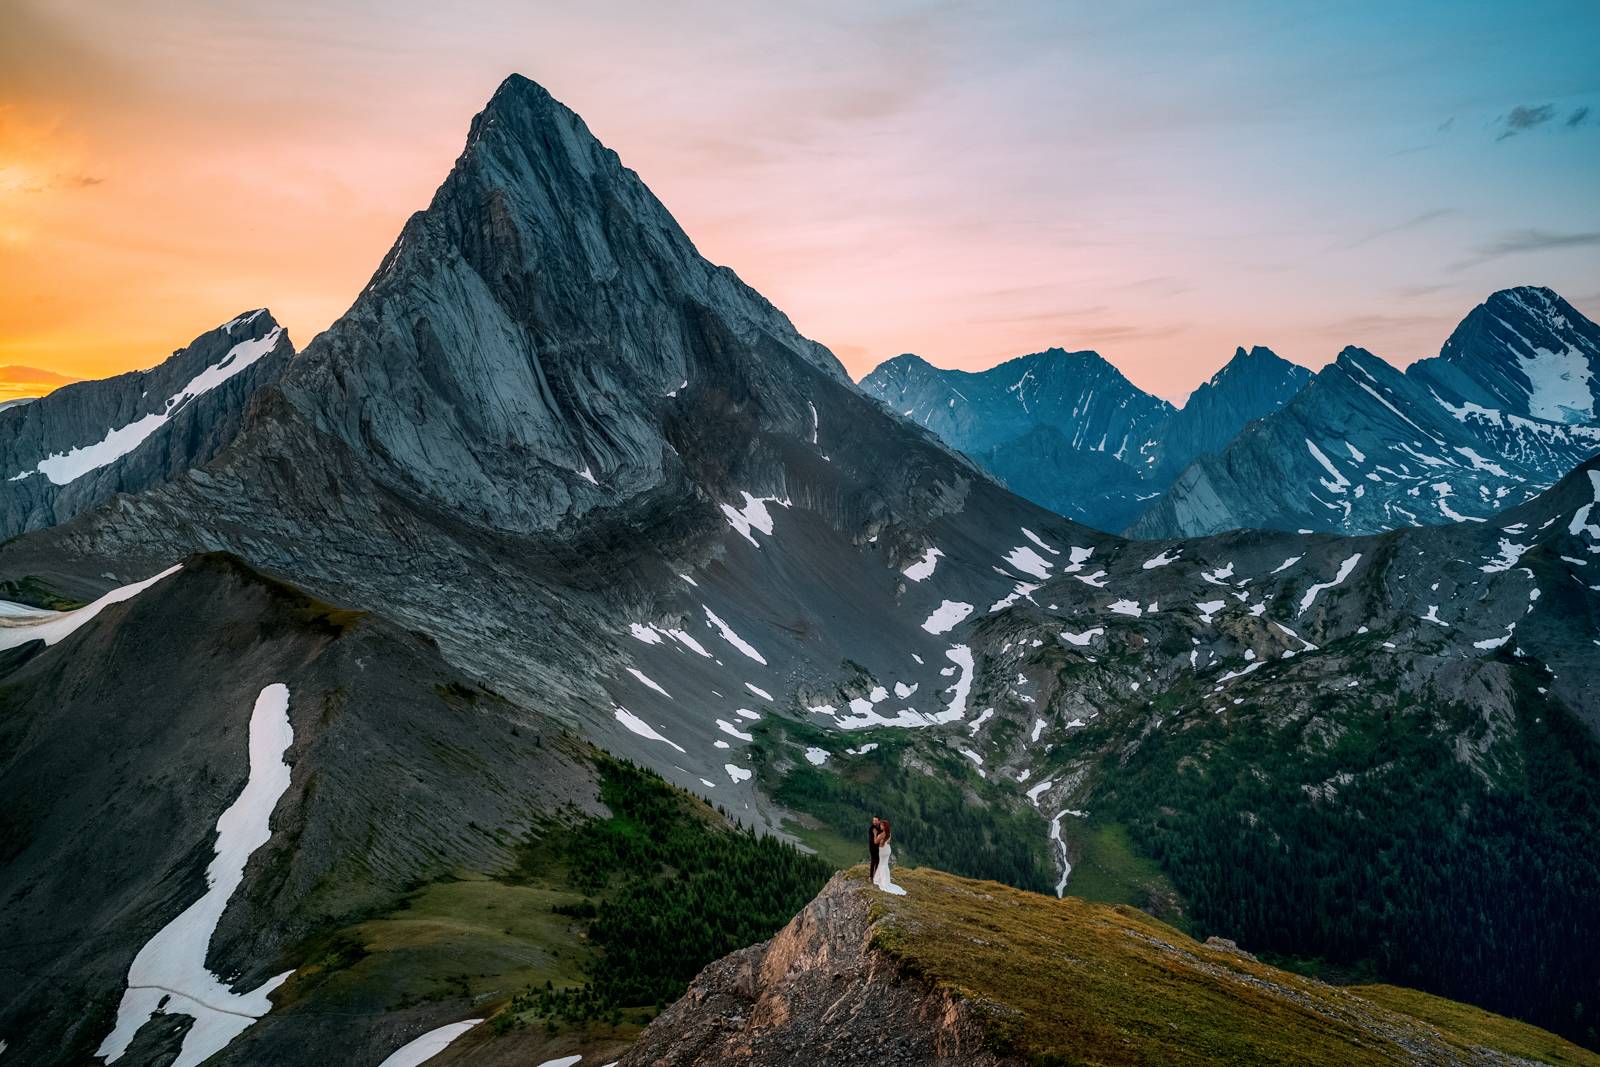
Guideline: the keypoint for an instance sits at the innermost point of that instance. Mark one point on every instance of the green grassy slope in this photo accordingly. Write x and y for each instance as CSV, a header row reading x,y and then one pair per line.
x,y
1074,982
600,921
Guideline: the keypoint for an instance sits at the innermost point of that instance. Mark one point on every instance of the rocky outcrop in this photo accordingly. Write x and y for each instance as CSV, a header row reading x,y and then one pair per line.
x,y
817,993
75,448
974,973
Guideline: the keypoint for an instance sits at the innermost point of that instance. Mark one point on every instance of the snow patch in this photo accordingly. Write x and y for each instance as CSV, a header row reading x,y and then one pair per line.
x,y
732,638
169,974
640,727
753,516
923,568
64,467
1029,562
645,679
429,1045
20,624
946,616
1344,572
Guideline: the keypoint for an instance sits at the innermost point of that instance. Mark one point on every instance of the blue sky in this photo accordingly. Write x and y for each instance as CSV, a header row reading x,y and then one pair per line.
x,y
1160,182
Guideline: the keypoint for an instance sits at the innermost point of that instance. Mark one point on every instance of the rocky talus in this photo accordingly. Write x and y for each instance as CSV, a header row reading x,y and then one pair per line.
x,y
817,993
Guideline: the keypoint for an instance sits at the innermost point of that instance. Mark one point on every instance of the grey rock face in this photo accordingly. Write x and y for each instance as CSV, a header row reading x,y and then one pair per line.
x,y
75,448
518,346
534,418
1104,447
1251,386
817,993
1365,448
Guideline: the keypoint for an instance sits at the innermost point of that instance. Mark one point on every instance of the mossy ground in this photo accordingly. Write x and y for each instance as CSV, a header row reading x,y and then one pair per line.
x,y
576,945
1480,1027
473,938
1075,982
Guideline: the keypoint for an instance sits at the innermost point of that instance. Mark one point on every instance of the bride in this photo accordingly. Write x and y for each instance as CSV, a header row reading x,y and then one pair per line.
x,y
880,873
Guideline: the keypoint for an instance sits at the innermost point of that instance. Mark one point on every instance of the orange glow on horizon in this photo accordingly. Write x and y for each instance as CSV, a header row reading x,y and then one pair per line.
x,y
949,182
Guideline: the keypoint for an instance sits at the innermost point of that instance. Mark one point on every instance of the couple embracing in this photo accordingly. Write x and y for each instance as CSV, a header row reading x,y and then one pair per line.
x,y
878,849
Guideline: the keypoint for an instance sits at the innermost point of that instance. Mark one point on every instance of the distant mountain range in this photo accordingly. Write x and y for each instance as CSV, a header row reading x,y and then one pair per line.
x,y
1069,432
555,481
1506,409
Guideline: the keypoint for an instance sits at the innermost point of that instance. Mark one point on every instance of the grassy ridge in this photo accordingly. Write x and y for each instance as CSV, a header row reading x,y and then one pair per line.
x,y
1072,982
600,922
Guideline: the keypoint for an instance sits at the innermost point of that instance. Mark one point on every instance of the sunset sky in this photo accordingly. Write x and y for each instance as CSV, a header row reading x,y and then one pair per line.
x,y
969,182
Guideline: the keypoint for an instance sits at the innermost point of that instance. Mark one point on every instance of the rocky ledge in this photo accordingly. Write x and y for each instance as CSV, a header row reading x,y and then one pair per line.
x,y
968,972
817,993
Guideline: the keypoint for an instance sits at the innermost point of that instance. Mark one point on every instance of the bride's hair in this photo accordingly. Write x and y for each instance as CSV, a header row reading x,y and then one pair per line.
x,y
884,824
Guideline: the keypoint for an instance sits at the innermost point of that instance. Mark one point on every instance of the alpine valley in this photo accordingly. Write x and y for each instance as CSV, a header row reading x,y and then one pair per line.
x,y
503,676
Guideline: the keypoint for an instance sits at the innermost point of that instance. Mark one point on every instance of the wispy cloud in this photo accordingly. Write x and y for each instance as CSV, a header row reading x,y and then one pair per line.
x,y
1518,242
1577,118
1415,222
1536,241
1525,117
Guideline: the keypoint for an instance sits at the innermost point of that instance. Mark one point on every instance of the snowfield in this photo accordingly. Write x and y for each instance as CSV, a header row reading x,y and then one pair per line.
x,y
430,1045
64,467
169,974
20,624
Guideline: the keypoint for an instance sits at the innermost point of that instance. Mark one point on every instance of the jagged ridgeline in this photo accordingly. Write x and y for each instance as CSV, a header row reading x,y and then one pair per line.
x,y
557,481
1505,409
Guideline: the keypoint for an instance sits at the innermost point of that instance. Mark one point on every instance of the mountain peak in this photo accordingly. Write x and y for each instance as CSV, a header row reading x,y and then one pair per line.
x,y
1524,351
1257,359
257,322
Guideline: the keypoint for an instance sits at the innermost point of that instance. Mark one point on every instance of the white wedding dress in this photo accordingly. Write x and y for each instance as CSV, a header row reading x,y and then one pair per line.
x,y
881,879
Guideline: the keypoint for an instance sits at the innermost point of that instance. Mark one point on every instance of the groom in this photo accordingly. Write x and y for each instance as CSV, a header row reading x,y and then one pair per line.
x,y
872,845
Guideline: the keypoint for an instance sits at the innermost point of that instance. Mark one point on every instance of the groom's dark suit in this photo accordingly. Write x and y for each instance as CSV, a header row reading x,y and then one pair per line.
x,y
872,848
